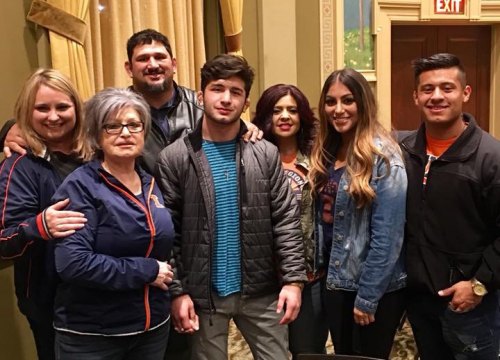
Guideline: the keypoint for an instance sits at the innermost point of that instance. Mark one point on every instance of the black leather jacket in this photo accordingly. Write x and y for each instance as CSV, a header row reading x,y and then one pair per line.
x,y
182,118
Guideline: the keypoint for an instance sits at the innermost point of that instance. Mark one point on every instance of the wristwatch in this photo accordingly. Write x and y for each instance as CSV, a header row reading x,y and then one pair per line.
x,y
478,287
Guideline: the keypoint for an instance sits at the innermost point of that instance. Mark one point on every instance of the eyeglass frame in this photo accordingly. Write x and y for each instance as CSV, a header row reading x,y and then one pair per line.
x,y
105,127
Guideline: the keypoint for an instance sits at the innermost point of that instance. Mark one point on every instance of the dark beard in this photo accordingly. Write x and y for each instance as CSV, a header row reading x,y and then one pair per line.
x,y
145,88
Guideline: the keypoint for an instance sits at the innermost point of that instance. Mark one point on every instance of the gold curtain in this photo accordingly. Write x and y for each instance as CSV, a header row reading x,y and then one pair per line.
x,y
232,14
65,21
232,18
112,22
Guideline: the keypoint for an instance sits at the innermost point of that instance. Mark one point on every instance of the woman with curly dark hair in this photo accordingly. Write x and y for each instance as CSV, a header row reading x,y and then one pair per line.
x,y
285,116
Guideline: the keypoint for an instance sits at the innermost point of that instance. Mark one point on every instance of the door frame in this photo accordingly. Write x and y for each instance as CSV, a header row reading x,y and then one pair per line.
x,y
412,12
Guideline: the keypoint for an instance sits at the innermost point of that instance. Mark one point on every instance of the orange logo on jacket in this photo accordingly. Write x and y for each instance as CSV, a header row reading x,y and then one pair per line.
x,y
157,202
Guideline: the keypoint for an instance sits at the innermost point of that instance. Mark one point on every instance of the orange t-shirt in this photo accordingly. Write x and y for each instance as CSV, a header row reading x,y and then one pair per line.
x,y
435,148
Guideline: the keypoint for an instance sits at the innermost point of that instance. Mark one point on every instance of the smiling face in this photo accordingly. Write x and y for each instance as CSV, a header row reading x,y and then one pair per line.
x,y
124,146
440,96
54,118
341,110
286,120
151,68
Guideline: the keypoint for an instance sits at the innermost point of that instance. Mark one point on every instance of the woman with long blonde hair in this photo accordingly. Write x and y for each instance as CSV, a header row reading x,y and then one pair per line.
x,y
358,182
49,114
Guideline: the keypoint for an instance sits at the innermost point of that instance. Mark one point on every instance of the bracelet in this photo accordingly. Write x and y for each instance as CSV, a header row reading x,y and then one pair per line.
x,y
297,284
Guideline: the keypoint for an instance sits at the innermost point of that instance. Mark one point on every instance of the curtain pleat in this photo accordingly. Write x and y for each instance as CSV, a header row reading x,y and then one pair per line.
x,y
67,55
232,16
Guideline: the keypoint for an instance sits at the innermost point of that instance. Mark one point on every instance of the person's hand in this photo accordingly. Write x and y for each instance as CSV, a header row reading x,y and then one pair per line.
x,y
363,318
183,315
463,298
62,223
14,142
291,298
253,134
164,277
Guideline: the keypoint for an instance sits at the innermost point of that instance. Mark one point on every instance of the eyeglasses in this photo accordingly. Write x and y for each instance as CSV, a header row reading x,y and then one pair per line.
x,y
117,128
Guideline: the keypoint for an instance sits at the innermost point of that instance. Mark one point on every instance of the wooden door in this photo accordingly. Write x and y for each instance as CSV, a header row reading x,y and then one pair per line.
x,y
472,44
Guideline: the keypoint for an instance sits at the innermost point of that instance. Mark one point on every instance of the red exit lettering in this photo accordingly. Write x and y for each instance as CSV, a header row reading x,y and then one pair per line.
x,y
449,6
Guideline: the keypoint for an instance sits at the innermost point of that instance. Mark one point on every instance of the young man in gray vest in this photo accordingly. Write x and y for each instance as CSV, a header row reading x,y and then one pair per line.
x,y
238,252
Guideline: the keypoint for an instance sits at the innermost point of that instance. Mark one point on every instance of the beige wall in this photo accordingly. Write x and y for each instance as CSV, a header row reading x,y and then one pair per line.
x,y
24,49
308,50
281,41
19,58
16,340
251,50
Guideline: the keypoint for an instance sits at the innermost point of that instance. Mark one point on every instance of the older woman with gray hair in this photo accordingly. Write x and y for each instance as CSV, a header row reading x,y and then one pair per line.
x,y
113,301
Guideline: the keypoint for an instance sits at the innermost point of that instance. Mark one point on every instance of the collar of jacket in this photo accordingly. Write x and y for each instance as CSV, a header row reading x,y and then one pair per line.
x,y
463,147
302,161
96,165
196,138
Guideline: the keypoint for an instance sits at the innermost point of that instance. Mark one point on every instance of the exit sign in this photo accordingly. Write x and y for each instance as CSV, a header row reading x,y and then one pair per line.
x,y
449,6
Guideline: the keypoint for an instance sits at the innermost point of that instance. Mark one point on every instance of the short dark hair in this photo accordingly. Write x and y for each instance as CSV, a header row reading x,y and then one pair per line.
x,y
147,36
264,115
225,66
438,61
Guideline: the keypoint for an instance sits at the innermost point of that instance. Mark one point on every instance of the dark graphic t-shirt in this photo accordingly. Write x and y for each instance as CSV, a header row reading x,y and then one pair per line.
x,y
326,207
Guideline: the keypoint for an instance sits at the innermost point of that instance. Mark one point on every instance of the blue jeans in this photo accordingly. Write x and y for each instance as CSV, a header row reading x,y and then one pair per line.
x,y
446,335
148,345
309,332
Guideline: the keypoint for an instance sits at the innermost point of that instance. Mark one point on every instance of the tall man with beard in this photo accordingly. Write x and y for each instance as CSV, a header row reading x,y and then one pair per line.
x,y
174,108
174,111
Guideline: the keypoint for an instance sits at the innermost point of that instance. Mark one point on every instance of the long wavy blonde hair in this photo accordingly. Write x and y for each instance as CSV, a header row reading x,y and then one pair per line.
x,y
361,151
25,103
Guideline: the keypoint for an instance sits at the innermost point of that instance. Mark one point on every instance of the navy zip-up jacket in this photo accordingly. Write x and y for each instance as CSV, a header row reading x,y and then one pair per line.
x,y
107,267
27,183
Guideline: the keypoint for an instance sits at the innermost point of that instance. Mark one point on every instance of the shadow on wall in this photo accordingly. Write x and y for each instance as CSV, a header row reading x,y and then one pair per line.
x,y
16,340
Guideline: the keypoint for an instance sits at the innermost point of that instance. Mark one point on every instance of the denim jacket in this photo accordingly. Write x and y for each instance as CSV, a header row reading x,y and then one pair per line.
x,y
367,243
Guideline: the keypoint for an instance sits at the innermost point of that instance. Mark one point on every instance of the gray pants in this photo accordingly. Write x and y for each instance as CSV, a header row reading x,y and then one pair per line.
x,y
257,320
